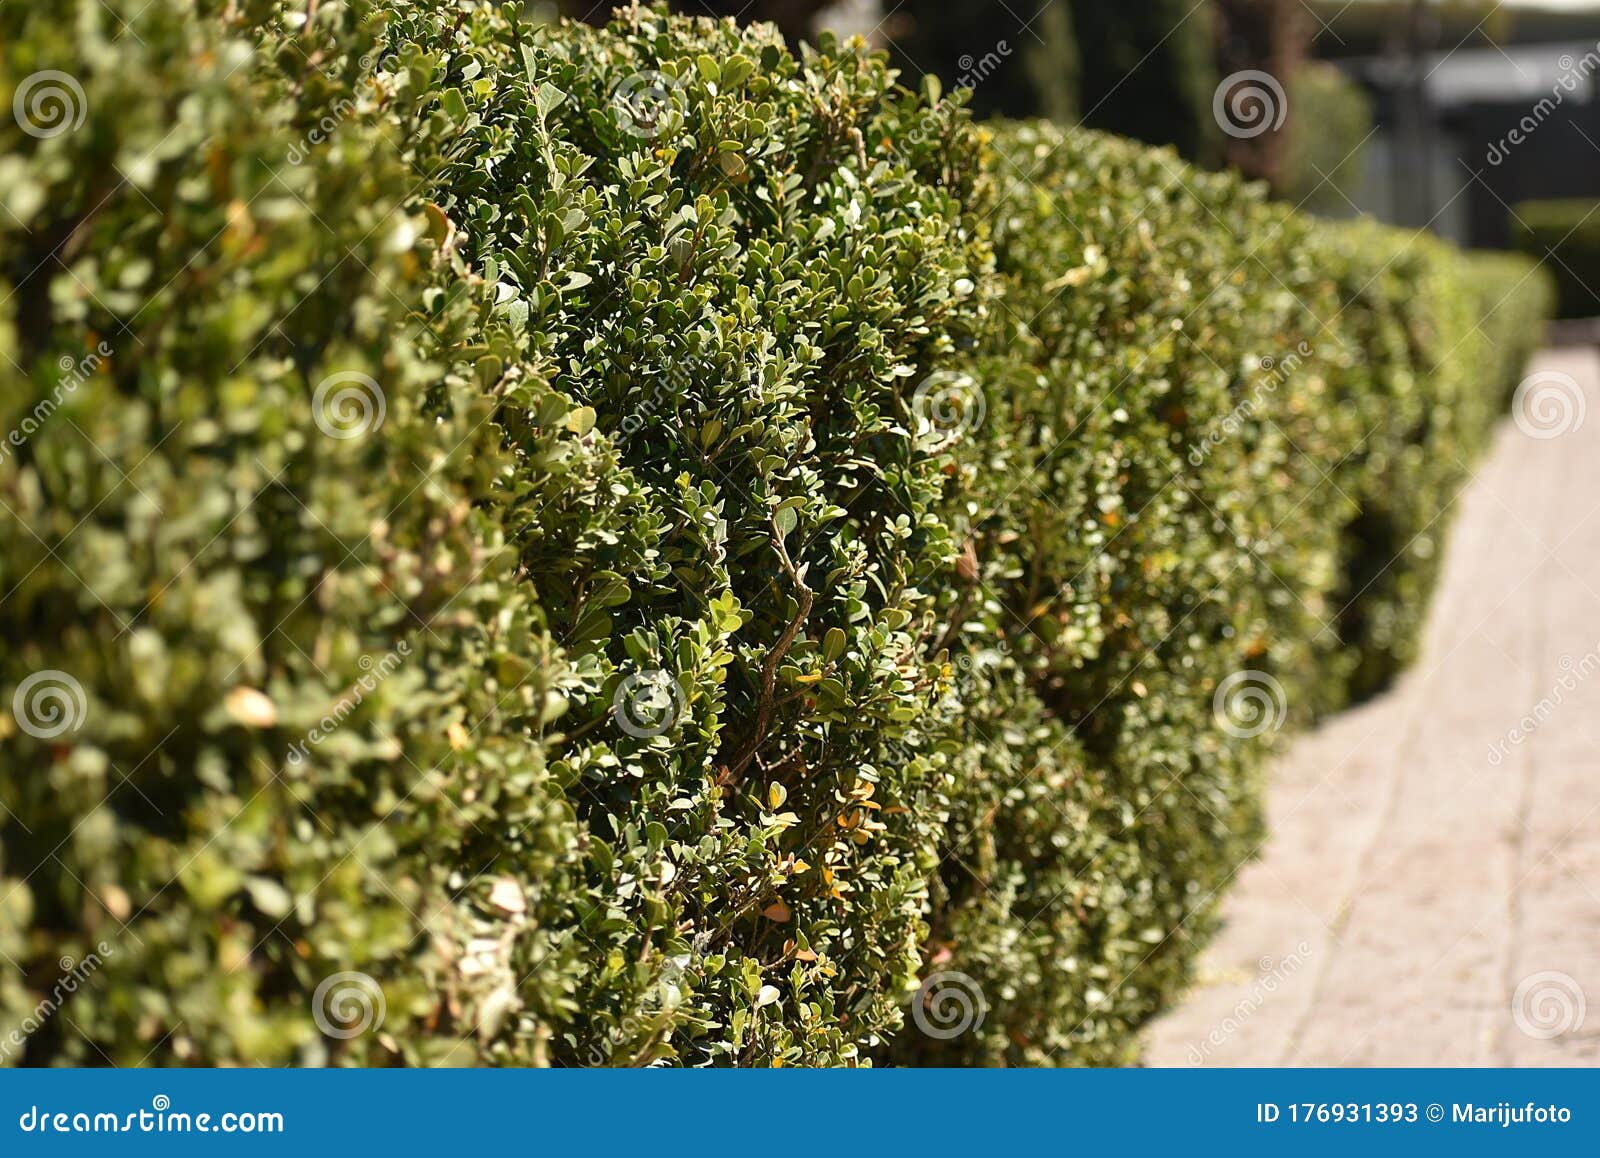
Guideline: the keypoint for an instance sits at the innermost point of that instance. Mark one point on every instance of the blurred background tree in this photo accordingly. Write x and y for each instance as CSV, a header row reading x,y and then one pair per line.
x,y
1325,166
1038,75
1142,70
1267,36
1149,71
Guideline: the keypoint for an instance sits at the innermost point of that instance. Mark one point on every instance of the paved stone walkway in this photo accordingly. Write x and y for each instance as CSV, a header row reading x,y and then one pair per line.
x,y
1430,891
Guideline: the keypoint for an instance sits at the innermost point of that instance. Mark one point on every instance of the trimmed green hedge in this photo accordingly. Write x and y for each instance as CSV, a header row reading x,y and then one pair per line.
x,y
253,504
1227,439
1565,236
742,264
616,546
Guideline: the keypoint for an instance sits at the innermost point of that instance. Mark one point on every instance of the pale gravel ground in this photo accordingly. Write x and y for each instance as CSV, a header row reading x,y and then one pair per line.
x,y
1410,884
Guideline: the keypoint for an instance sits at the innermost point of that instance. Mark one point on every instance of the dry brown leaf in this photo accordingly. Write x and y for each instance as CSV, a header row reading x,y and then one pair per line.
x,y
251,708
506,895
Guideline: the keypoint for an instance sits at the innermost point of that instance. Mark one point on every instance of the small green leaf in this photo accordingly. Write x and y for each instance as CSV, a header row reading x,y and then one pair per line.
x,y
548,98
454,105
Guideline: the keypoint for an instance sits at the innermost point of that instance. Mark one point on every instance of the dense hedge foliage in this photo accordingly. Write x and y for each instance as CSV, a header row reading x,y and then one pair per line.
x,y
1565,235
743,275
1227,438
613,546
256,492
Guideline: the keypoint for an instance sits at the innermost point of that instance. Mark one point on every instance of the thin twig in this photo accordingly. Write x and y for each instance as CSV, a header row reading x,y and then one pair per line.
x,y
769,670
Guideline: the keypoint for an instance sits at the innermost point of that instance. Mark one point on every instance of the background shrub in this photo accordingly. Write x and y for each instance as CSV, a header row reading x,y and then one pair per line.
x,y
1566,234
794,565
1326,166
